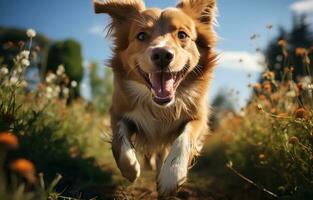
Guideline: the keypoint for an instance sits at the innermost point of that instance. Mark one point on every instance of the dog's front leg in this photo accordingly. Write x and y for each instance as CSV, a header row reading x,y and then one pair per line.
x,y
174,170
124,152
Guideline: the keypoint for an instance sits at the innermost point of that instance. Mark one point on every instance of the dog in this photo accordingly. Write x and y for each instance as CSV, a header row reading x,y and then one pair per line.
x,y
162,63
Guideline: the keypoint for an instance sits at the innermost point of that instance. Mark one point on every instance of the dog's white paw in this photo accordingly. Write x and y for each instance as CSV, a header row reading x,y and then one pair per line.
x,y
171,178
127,162
174,170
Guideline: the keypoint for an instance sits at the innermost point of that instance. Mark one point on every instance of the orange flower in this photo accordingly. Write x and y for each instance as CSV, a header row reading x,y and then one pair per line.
x,y
301,52
301,113
8,140
25,168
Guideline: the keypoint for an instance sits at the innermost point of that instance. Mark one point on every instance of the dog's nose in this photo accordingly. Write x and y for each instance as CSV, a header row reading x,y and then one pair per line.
x,y
161,57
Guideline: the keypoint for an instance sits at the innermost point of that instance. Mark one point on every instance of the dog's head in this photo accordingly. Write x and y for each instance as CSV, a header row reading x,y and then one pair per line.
x,y
161,47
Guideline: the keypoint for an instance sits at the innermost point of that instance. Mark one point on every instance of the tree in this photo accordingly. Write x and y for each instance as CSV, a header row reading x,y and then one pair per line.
x,y
281,53
101,87
69,54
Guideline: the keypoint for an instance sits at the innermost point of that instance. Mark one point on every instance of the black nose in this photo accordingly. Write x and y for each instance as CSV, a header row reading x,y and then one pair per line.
x,y
161,57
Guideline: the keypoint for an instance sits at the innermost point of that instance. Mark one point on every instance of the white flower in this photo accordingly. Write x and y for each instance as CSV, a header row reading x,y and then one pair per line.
x,y
74,84
19,70
31,33
4,71
51,77
56,91
25,62
49,92
60,70
65,91
13,80
25,54
24,84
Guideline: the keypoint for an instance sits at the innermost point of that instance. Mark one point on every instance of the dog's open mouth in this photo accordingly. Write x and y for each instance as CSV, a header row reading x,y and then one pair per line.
x,y
163,84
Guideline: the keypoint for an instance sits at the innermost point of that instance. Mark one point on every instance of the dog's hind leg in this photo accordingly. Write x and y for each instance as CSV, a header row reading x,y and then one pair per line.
x,y
124,152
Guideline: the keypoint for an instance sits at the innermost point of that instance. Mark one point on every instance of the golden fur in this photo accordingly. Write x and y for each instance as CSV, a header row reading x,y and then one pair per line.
x,y
156,127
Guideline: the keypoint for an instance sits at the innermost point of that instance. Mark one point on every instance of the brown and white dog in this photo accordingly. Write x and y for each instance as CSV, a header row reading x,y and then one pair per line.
x,y
162,63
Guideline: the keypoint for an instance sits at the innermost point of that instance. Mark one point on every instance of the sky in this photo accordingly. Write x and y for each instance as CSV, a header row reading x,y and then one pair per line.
x,y
238,21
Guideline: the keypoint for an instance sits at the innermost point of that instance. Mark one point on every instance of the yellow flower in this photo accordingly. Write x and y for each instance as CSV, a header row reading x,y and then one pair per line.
x,y
8,140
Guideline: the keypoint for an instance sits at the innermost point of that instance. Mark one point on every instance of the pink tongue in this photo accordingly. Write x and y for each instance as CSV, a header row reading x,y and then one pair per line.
x,y
162,84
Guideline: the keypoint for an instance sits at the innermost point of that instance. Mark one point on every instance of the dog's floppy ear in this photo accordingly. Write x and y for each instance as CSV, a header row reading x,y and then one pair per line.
x,y
119,9
202,11
122,12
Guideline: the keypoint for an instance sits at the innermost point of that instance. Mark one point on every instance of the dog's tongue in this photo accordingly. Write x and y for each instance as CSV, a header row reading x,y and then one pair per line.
x,y
162,84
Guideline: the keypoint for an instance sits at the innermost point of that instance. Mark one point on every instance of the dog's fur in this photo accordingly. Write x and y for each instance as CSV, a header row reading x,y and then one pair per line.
x,y
167,118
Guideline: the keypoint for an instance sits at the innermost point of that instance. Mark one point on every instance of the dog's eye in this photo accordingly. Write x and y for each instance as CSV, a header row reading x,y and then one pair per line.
x,y
182,35
142,36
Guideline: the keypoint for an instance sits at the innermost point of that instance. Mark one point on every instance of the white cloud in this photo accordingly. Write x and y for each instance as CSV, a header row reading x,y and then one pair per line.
x,y
302,6
241,60
97,30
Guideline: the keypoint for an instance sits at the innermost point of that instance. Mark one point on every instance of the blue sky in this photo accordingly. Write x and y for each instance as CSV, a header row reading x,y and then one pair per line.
x,y
238,21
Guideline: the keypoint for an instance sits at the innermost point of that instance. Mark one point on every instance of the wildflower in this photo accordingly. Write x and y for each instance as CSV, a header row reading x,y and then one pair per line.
x,y
50,77
65,91
25,168
74,84
282,43
24,84
8,140
301,52
31,33
21,44
25,54
13,80
60,70
293,140
268,75
56,91
4,71
25,62
301,113
262,156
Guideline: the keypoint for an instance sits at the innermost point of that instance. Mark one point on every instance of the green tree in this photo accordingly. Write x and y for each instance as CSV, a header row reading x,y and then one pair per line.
x,y
101,87
69,54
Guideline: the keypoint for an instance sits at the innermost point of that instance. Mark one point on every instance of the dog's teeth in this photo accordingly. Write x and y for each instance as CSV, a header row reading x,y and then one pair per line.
x,y
150,75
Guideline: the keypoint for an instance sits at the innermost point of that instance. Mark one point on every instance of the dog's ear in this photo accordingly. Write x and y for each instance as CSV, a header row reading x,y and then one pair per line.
x,y
119,10
202,11
122,12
